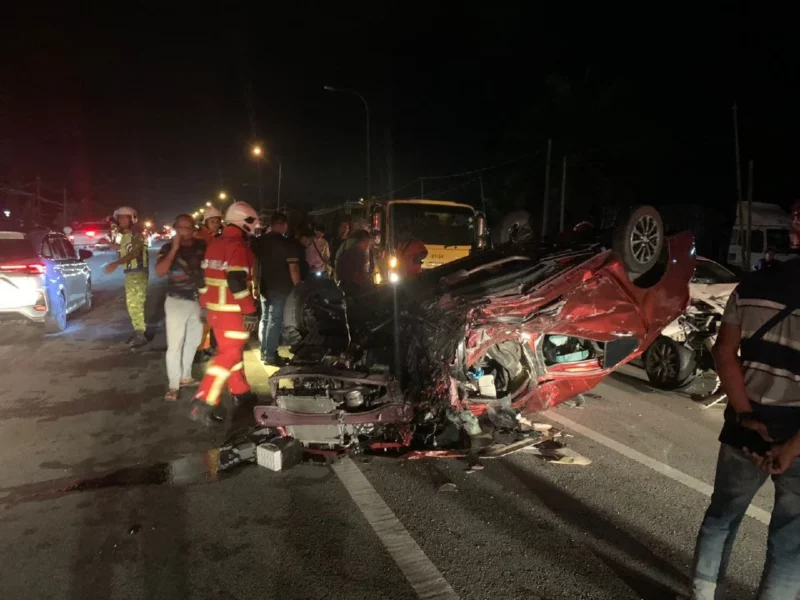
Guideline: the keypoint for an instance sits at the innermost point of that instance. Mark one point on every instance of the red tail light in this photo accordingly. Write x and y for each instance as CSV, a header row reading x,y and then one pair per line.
x,y
90,233
32,268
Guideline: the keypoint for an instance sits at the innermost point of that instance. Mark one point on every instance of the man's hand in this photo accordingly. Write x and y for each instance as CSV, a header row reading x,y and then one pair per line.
x,y
758,460
778,459
176,243
757,426
111,267
251,322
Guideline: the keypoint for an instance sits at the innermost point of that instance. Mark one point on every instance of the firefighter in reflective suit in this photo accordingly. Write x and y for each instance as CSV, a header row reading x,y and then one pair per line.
x,y
228,269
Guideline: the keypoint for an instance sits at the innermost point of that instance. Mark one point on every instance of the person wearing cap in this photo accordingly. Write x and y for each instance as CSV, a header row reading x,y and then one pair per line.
x,y
133,258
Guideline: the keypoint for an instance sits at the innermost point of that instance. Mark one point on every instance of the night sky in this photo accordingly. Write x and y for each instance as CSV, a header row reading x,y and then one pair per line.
x,y
157,110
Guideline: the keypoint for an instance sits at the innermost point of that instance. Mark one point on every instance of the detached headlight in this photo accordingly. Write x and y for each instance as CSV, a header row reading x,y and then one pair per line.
x,y
393,262
394,277
377,278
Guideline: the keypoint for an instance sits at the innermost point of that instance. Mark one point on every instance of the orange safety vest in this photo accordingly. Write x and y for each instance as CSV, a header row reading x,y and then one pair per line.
x,y
227,252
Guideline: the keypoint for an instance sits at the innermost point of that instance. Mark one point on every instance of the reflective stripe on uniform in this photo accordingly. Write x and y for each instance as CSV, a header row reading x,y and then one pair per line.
x,y
237,335
218,282
242,294
237,367
220,375
203,290
245,269
223,307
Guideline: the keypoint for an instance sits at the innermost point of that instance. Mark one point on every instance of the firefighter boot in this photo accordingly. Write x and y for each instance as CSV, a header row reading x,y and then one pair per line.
x,y
204,414
248,397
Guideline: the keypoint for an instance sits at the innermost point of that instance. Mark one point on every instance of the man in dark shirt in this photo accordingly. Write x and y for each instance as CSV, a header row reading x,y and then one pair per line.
x,y
279,271
181,261
353,264
758,361
341,235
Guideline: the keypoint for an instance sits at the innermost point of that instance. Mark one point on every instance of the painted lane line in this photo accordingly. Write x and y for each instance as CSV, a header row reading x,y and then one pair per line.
x,y
759,514
420,572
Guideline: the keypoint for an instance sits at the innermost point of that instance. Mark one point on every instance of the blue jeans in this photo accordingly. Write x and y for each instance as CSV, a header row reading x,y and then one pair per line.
x,y
271,324
737,480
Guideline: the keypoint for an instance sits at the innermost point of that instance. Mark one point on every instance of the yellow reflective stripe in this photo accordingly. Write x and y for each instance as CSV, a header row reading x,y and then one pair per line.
x,y
237,367
222,295
237,335
223,307
214,281
203,290
245,269
217,371
242,294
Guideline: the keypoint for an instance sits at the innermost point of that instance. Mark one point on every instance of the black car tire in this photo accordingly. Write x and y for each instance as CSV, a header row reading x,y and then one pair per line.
x,y
87,305
516,227
638,239
668,364
55,321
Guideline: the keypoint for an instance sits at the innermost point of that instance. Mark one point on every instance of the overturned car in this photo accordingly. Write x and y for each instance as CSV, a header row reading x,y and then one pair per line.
x,y
444,358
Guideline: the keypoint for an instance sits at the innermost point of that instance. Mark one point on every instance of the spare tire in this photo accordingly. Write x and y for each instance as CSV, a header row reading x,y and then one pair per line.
x,y
516,227
638,238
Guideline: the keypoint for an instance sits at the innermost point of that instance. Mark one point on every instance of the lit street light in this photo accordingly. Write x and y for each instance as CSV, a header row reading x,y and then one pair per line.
x,y
148,224
257,150
202,210
208,204
222,196
366,108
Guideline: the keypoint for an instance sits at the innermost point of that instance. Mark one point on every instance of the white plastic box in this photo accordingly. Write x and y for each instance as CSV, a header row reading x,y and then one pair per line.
x,y
280,454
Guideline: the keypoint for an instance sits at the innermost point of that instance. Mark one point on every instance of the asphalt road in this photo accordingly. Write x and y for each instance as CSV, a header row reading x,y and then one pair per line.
x,y
105,492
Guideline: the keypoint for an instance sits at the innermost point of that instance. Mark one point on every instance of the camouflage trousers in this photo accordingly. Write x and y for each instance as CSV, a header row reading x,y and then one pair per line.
x,y
135,295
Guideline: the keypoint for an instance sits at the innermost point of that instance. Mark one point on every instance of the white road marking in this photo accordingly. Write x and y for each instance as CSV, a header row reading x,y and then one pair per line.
x,y
759,514
420,572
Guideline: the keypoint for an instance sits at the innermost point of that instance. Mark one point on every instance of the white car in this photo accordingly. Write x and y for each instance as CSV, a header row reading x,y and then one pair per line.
x,y
684,346
43,278
92,236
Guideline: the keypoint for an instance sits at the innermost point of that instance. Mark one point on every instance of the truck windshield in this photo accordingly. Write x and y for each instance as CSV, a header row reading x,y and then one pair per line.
x,y
778,240
433,224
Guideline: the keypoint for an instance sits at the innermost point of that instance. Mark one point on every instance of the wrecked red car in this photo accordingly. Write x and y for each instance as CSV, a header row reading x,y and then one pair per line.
x,y
440,359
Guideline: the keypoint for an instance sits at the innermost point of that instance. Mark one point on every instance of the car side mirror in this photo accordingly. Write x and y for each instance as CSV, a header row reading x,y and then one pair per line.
x,y
480,230
68,230
85,254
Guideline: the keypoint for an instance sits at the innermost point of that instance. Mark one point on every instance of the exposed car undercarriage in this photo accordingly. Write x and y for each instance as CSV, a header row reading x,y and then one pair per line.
x,y
449,359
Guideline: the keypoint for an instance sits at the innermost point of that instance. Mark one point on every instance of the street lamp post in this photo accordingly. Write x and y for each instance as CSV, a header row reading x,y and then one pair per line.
x,y
258,153
366,109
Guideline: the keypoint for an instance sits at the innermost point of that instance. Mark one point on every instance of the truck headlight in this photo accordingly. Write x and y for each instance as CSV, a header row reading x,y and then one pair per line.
x,y
394,277
393,262
377,278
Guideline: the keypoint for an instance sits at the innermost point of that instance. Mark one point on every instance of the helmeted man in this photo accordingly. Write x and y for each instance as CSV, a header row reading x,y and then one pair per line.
x,y
228,298
134,259
212,220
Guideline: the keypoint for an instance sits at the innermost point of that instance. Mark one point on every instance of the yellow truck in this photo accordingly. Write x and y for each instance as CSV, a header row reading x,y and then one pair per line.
x,y
449,230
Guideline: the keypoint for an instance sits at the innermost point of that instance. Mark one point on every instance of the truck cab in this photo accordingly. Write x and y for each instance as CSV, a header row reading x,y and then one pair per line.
x,y
449,230
770,228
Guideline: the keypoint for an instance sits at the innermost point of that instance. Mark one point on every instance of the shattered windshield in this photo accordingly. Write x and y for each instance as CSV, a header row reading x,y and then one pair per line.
x,y
433,224
706,271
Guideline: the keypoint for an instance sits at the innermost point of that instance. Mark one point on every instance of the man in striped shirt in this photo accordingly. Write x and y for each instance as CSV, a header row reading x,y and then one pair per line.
x,y
757,356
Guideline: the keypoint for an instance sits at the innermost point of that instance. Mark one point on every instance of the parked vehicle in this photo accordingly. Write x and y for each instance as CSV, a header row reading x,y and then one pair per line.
x,y
522,327
683,350
43,278
92,236
770,229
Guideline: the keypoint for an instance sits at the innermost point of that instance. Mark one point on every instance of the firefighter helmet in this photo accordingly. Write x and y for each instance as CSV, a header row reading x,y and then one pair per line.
x,y
126,211
211,213
243,216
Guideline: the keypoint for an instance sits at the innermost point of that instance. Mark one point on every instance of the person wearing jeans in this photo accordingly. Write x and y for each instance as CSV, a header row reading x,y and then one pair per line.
x,y
279,271
758,363
181,260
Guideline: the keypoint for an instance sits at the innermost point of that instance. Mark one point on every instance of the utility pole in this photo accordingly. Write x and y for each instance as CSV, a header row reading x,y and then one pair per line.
x,y
546,187
748,247
65,208
483,198
280,178
421,187
563,193
740,207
